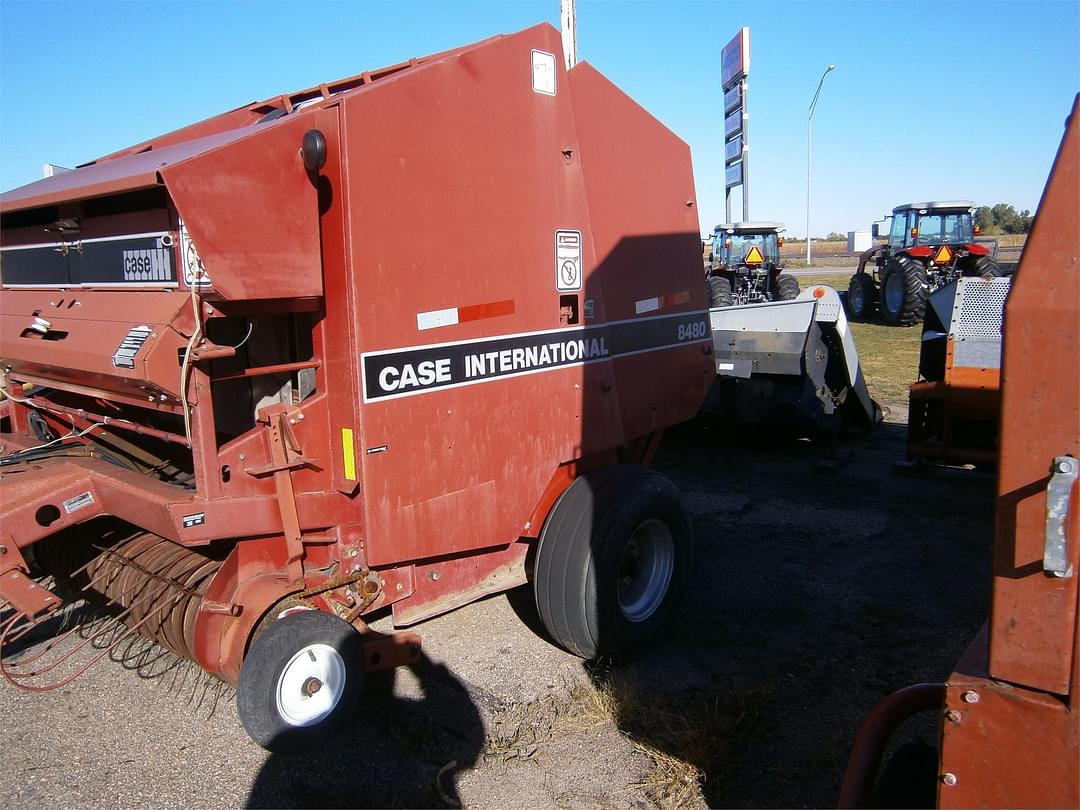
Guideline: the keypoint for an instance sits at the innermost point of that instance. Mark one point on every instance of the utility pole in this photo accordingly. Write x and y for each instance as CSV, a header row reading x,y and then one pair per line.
x,y
809,124
568,18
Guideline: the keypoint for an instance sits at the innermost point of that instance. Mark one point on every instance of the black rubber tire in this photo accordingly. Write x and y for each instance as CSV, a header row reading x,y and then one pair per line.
x,y
582,562
787,288
719,292
862,297
986,267
907,277
256,691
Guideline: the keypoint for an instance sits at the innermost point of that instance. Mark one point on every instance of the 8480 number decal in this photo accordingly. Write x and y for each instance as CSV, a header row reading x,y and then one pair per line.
x,y
693,331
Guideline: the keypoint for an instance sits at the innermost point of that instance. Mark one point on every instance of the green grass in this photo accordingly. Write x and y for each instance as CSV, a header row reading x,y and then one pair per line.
x,y
889,355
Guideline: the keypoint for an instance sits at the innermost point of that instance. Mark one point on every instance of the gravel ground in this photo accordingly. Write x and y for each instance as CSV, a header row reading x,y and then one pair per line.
x,y
815,594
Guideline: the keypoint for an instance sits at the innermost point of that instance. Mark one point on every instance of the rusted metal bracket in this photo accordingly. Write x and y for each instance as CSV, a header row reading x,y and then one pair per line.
x,y
285,456
382,652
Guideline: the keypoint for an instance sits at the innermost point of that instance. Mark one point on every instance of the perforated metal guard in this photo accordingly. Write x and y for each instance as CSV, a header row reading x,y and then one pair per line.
x,y
979,308
976,322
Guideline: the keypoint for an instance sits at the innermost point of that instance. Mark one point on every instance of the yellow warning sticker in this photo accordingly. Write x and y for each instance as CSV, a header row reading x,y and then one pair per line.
x,y
943,256
754,256
348,453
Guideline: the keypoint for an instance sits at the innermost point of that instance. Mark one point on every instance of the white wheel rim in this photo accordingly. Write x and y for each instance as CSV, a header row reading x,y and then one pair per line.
x,y
645,570
310,686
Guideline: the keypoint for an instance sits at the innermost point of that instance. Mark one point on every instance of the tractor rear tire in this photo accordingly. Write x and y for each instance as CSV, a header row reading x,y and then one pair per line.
x,y
613,562
787,287
904,291
862,297
300,681
986,267
719,292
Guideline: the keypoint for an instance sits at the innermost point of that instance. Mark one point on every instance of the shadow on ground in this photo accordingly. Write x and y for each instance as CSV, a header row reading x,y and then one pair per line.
x,y
399,752
815,595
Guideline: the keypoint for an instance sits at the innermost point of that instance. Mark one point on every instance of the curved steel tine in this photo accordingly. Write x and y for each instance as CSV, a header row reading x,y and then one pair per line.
x,y
18,678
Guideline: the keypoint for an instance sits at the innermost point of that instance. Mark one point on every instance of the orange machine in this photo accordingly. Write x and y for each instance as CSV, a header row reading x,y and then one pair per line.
x,y
1010,712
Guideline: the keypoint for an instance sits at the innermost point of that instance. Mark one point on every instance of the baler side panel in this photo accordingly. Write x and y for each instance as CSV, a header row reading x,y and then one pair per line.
x,y
91,328
253,213
455,199
1034,628
640,188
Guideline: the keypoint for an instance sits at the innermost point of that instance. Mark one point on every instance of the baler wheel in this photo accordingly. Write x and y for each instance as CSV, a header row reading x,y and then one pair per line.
x,y
904,292
613,561
787,287
300,681
862,297
719,292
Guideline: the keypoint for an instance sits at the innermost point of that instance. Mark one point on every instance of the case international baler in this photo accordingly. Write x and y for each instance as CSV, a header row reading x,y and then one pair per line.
x,y
397,342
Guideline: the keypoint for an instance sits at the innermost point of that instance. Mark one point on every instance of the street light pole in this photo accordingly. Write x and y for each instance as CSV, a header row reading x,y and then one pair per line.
x,y
809,140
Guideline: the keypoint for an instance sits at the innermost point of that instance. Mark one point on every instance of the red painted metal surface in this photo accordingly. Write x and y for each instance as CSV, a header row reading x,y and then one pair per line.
x,y
1013,735
328,446
1010,731
1034,625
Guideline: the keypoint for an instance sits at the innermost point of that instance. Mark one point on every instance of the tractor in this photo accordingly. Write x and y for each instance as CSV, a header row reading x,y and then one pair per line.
x,y
745,266
929,245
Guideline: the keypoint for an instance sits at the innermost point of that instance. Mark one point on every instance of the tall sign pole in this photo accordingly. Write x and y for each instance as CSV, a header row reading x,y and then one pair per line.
x,y
734,68
568,18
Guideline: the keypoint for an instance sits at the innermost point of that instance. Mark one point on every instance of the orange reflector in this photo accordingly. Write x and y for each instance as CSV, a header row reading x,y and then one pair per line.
x,y
943,256
819,292
754,256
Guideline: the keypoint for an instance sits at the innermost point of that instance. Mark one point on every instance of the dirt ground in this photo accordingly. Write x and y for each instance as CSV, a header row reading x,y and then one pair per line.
x,y
815,594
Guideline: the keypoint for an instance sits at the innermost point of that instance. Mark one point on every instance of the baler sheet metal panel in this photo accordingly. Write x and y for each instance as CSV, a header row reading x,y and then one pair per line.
x,y
466,210
91,340
415,370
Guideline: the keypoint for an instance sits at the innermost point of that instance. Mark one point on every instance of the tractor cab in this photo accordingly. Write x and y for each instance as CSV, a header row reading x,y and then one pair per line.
x,y
753,245
932,224
745,267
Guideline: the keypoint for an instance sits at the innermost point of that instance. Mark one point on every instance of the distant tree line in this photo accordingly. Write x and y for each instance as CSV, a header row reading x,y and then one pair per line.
x,y
1003,218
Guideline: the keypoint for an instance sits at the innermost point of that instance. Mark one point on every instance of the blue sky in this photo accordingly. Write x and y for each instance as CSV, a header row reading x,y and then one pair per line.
x,y
928,100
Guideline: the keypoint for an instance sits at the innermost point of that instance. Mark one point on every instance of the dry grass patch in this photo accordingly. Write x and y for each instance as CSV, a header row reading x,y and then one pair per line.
x,y
688,738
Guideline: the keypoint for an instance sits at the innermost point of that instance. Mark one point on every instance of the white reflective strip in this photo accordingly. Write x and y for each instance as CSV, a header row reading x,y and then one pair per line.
x,y
436,318
646,305
725,366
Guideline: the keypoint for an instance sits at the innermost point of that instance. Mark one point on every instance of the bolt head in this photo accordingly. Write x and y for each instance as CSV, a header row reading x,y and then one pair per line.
x,y
1063,466
953,716
970,697
949,779
433,576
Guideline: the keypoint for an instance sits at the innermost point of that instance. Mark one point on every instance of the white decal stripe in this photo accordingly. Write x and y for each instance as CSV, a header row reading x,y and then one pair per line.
x,y
436,318
566,330
646,305
89,241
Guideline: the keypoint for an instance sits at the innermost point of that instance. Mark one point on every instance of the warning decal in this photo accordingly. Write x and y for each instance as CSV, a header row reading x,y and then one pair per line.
x,y
416,370
754,256
567,261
